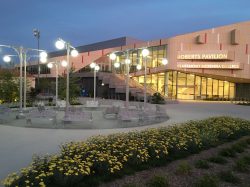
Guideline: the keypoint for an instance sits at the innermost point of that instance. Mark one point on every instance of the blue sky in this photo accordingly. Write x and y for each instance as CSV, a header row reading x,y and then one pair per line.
x,y
83,21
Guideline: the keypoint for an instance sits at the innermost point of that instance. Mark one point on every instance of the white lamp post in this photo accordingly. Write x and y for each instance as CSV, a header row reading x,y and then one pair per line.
x,y
96,68
61,44
50,65
127,62
22,53
112,57
145,53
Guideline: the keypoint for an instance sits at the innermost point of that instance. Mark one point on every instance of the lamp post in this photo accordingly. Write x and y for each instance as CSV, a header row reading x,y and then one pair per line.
x,y
112,57
127,62
61,44
36,33
96,68
50,65
145,53
22,54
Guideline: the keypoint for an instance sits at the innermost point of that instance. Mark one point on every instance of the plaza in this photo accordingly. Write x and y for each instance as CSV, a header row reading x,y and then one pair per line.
x,y
18,144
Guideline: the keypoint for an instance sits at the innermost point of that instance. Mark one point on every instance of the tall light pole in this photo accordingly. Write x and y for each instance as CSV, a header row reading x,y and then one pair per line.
x,y
50,65
145,53
61,44
112,57
96,68
127,62
22,53
36,33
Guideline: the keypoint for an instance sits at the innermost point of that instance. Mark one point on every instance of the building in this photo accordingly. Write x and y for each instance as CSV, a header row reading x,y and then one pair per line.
x,y
211,64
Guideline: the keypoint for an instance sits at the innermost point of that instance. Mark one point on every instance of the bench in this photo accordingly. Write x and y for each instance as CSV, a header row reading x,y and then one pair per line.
x,y
128,116
61,104
78,116
92,104
111,112
41,114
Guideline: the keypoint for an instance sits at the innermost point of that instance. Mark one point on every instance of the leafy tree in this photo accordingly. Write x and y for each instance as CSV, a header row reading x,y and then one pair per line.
x,y
9,86
74,89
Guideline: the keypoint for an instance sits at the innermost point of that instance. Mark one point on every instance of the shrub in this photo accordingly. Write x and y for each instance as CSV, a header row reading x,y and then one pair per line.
x,y
202,164
183,168
158,181
227,152
103,158
241,165
157,98
238,148
129,185
218,160
207,181
228,176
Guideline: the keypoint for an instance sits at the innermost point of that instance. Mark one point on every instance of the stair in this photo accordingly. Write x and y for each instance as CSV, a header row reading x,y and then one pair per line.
x,y
117,82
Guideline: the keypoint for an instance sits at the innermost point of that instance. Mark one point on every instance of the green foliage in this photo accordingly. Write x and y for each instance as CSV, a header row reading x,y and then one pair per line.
x,y
157,98
242,165
183,168
129,185
202,164
74,89
158,181
207,181
9,87
228,176
218,160
227,152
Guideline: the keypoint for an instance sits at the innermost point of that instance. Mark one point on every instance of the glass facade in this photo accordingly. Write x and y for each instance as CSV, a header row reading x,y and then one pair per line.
x,y
179,85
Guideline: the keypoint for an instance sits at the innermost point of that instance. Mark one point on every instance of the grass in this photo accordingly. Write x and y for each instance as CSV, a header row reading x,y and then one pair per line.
x,y
202,164
158,181
207,181
228,176
217,160
129,185
183,168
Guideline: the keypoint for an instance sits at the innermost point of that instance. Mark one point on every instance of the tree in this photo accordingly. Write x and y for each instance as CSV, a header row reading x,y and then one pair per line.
x,y
74,89
8,86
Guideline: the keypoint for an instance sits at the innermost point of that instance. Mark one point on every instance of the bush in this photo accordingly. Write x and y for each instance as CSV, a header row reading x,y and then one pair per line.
x,y
218,160
183,168
202,164
227,152
157,98
207,181
241,165
158,181
228,176
103,158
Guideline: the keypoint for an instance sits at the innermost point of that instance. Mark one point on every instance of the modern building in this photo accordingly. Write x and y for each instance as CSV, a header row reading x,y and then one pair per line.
x,y
211,64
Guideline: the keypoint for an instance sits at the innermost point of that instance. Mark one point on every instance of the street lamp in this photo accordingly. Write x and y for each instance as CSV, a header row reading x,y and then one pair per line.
x,y
36,33
164,61
61,44
51,65
96,68
145,53
112,57
127,62
22,54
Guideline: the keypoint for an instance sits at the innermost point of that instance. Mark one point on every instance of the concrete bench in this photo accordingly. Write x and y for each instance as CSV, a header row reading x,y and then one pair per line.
x,y
128,116
111,112
61,104
78,116
92,104
41,114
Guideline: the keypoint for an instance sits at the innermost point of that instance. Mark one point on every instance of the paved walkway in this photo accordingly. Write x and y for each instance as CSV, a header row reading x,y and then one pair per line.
x,y
18,144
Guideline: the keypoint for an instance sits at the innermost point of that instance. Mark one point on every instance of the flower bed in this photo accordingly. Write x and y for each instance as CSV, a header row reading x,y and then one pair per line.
x,y
102,158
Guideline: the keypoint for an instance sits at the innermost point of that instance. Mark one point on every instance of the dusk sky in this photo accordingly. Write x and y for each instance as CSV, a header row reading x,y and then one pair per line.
x,y
83,22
